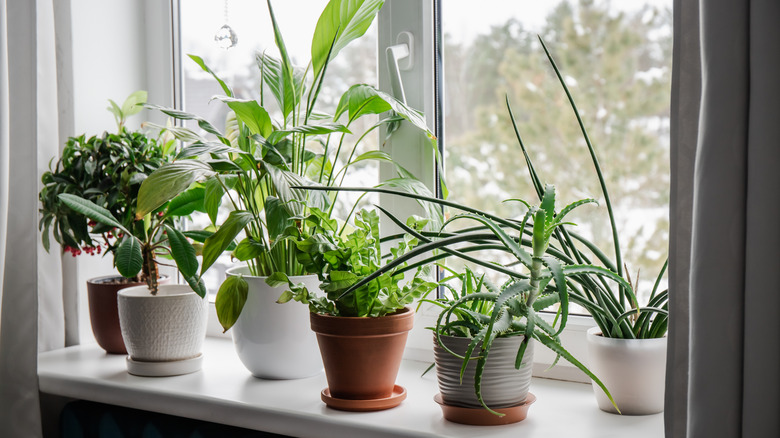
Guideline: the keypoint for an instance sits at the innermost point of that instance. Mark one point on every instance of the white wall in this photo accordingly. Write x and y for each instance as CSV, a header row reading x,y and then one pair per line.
x,y
110,61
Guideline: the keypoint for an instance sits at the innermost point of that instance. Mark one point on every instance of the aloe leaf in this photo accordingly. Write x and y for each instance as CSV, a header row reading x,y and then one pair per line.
x,y
560,285
129,259
557,348
658,278
231,298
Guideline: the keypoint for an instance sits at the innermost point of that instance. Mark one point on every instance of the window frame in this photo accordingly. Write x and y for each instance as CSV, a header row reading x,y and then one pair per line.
x,y
423,85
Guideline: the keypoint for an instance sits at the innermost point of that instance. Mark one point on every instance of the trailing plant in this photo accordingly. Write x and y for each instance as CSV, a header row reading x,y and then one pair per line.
x,y
254,163
107,170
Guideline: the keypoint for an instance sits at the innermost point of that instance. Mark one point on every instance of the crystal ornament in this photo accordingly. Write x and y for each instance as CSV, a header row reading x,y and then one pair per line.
x,y
226,37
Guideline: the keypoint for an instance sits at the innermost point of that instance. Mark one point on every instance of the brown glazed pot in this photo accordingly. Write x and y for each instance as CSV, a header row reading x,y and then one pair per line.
x,y
362,355
103,313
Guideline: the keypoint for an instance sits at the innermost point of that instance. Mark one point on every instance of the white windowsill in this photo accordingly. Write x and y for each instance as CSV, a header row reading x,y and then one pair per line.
x,y
224,392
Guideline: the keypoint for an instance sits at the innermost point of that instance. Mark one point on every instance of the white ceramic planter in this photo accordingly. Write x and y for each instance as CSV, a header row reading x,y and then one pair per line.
x,y
167,327
634,371
273,340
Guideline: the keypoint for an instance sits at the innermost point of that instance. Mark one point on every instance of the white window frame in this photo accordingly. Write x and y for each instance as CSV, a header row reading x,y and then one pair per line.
x,y
408,146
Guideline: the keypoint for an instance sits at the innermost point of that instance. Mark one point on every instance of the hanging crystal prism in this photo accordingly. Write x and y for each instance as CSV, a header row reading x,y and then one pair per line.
x,y
226,37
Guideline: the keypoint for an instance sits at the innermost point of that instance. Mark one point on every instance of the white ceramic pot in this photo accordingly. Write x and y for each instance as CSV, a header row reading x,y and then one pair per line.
x,y
169,326
273,340
634,371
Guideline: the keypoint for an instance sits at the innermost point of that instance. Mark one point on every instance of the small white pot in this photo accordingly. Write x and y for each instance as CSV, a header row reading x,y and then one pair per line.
x,y
166,327
634,371
274,341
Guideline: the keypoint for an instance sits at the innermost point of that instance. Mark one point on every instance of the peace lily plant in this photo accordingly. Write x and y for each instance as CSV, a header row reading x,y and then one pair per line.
x,y
254,164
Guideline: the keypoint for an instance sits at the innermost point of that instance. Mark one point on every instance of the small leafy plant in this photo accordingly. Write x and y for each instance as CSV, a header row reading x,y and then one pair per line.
x,y
107,170
341,260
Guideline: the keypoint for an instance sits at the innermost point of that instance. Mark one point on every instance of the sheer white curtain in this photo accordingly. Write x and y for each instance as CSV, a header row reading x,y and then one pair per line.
x,y
35,88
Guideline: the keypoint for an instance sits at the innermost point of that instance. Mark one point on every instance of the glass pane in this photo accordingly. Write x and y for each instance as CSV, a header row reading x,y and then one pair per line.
x,y
616,59
250,20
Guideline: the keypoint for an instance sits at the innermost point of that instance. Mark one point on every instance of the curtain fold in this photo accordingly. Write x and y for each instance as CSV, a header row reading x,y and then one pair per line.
x,y
34,306
731,385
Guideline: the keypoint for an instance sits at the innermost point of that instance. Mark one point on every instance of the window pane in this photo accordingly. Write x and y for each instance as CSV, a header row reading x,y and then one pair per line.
x,y
357,63
616,59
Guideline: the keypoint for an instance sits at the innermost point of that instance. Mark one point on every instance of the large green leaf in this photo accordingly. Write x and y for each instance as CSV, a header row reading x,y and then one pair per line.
x,y
218,242
248,249
364,99
277,217
212,198
182,251
167,182
128,258
203,148
295,199
205,68
340,23
231,298
250,112
134,103
286,72
187,202
91,210
325,128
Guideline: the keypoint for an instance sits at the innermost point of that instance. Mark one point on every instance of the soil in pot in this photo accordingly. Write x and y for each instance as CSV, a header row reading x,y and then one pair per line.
x,y
362,355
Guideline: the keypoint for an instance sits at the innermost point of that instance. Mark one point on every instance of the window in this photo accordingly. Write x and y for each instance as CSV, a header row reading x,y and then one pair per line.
x,y
616,58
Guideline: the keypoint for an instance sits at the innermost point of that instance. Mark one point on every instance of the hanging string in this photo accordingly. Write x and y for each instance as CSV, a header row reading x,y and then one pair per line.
x,y
226,37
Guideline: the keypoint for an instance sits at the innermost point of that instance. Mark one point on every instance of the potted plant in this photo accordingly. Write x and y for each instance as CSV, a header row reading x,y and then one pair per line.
x,y
107,170
362,330
628,345
252,167
163,326
507,312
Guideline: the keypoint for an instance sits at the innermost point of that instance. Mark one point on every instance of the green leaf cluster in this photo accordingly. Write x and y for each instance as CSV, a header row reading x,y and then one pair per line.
x,y
343,260
105,169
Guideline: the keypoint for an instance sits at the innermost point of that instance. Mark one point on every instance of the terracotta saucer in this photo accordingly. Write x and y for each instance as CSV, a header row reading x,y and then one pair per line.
x,y
483,417
377,404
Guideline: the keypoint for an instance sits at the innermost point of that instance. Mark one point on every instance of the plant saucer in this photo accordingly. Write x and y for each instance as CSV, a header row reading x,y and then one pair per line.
x,y
163,369
483,417
377,404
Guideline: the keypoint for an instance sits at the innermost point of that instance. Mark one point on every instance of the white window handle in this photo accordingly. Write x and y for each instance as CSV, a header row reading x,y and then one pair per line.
x,y
400,57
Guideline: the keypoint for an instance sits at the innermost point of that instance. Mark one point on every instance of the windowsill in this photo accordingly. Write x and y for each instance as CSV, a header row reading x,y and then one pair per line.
x,y
224,392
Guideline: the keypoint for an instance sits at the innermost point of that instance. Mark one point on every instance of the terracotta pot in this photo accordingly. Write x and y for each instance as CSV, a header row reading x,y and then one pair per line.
x,y
362,355
634,371
103,313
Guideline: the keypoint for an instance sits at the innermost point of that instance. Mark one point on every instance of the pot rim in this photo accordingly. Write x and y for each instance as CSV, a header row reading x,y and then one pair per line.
x,y
357,326
97,280
232,272
133,292
596,335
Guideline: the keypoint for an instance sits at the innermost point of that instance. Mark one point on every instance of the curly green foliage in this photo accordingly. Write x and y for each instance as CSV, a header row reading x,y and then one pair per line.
x,y
342,261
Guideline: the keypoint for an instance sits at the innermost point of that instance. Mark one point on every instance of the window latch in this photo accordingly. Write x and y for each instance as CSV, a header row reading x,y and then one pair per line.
x,y
400,57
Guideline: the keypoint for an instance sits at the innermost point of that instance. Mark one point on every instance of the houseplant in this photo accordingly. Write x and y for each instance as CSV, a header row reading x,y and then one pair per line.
x,y
511,311
361,331
253,165
628,346
163,326
107,170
